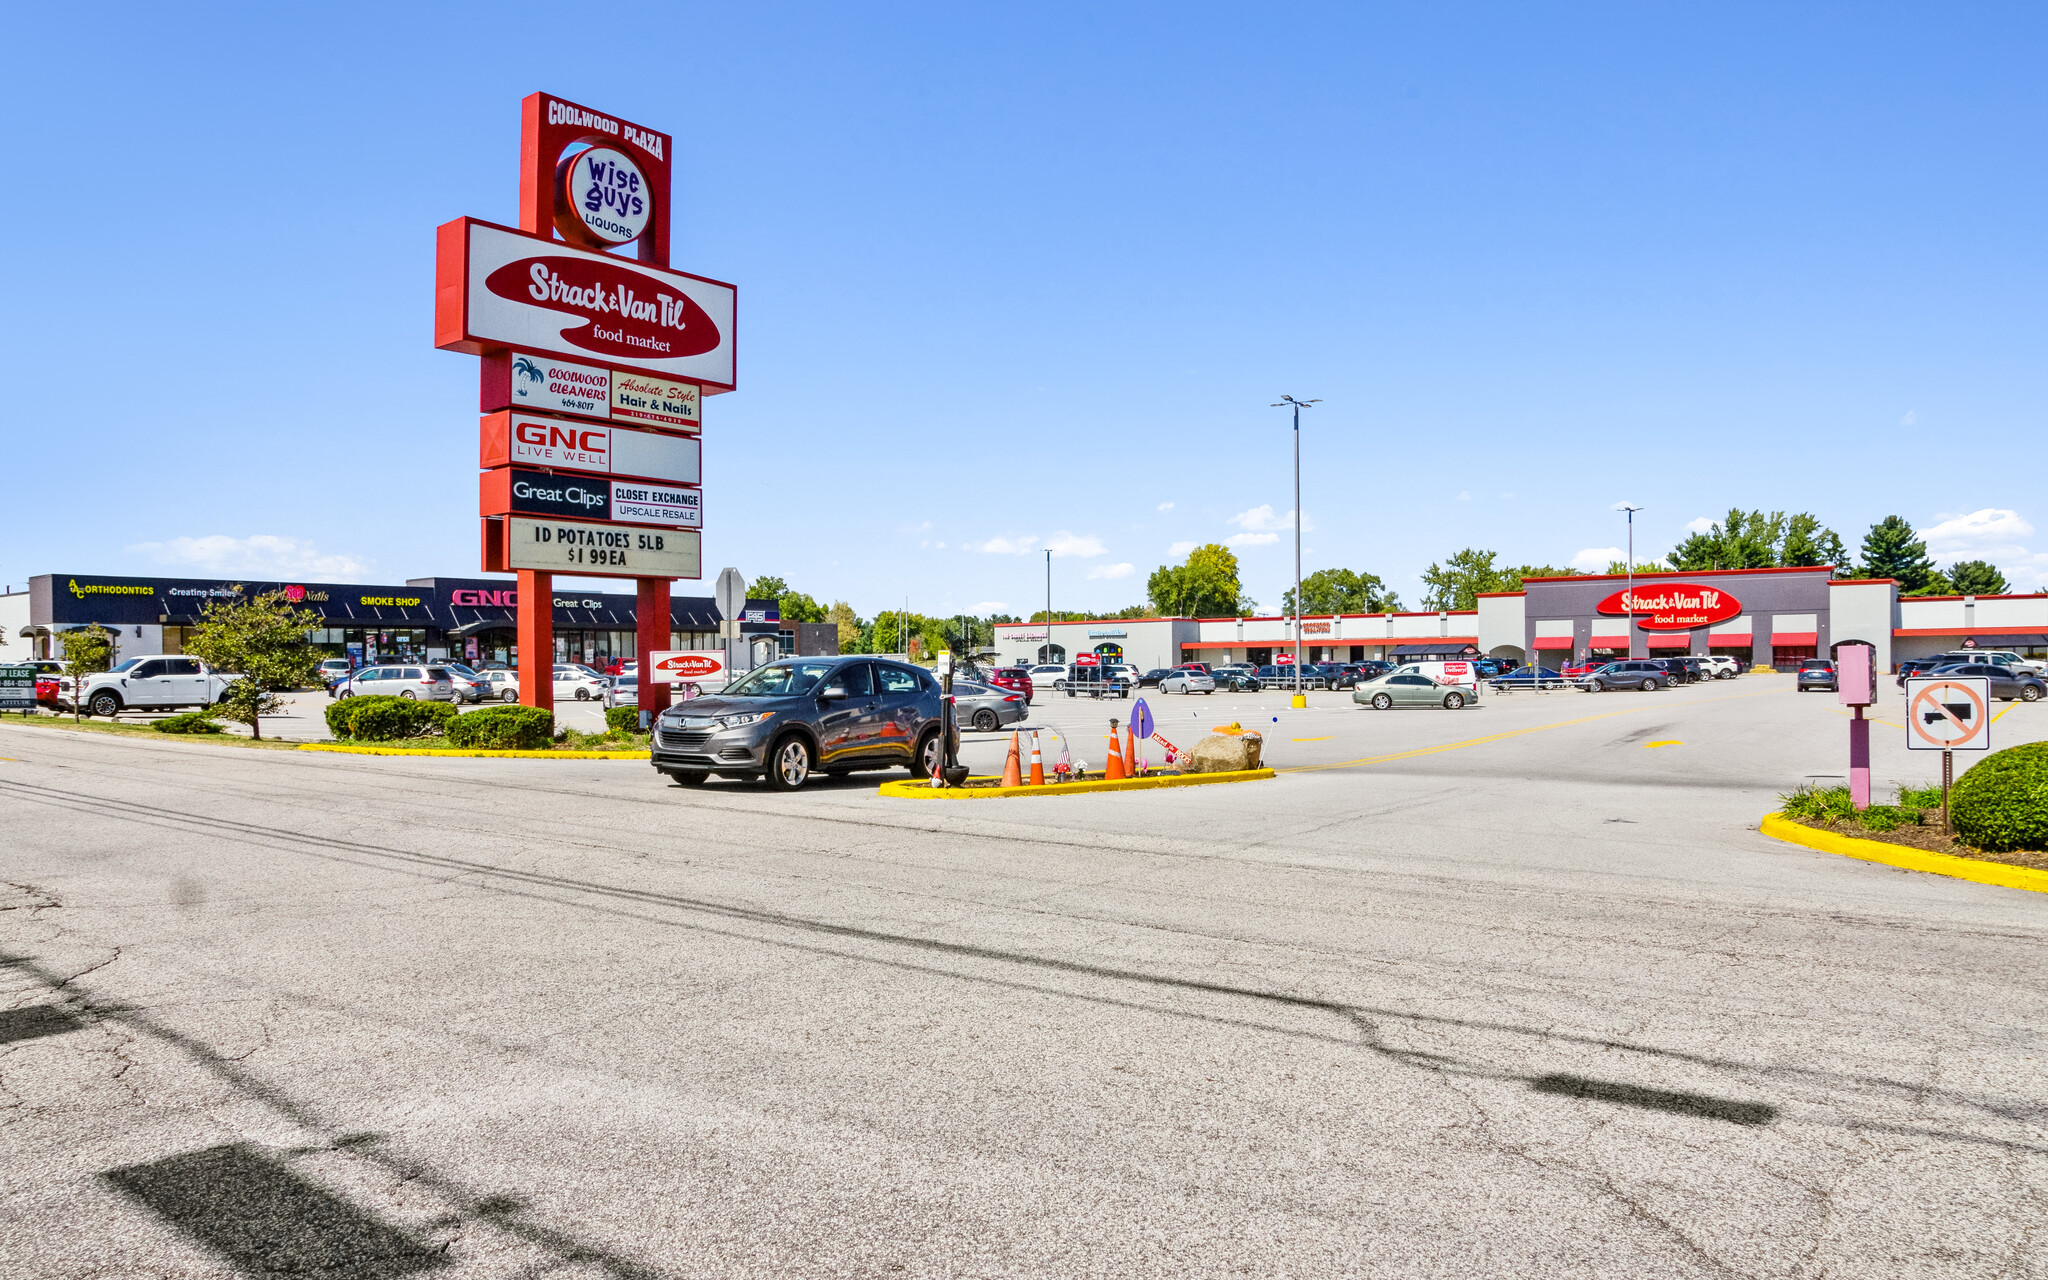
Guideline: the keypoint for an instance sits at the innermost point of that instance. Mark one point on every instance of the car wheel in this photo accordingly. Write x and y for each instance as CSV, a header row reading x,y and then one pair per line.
x,y
925,761
789,764
1597,686
510,695
104,704
1382,702
1649,685
583,695
985,720
2029,693
407,694
1452,701
687,777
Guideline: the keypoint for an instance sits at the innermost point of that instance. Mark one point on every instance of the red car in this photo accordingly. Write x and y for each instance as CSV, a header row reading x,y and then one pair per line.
x,y
1585,667
46,691
1013,678
1202,667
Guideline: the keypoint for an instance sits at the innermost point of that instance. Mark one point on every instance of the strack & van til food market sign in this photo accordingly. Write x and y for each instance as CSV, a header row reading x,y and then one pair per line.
x,y
1674,606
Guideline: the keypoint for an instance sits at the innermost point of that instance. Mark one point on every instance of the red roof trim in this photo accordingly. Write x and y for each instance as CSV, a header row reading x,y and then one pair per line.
x,y
2020,595
1971,631
1686,573
1495,595
1862,582
1324,642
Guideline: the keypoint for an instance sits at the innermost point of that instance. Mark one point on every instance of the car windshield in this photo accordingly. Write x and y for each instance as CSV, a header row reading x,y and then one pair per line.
x,y
119,667
779,680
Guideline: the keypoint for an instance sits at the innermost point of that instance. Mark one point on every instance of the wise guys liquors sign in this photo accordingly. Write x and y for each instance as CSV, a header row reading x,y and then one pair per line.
x,y
1673,606
497,288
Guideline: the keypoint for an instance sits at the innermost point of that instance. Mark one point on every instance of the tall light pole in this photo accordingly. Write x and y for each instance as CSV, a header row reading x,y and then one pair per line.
x,y
1287,402
1631,597
1045,650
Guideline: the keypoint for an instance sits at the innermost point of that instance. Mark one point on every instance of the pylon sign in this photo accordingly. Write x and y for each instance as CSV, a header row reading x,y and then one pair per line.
x,y
1948,713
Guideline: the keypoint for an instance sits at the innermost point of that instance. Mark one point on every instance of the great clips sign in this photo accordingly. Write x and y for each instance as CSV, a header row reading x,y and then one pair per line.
x,y
497,288
1674,606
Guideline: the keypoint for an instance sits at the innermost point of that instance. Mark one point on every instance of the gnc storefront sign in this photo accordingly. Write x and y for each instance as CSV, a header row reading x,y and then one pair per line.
x,y
1674,606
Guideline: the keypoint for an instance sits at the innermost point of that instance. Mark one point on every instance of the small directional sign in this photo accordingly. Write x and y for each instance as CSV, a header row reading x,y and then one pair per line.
x,y
1948,713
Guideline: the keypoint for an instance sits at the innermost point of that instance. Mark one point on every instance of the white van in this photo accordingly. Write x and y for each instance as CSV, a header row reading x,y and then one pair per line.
x,y
1465,675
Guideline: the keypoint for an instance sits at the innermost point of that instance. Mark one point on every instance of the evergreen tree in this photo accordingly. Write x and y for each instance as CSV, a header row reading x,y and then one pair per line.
x,y
1809,542
1976,578
1892,550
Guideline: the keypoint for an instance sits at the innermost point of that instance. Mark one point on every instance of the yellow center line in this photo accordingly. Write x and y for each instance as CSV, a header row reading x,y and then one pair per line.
x,y
1325,738
1492,737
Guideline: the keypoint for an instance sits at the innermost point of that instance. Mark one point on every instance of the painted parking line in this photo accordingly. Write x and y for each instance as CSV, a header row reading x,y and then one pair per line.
x,y
1325,738
1366,761
1667,742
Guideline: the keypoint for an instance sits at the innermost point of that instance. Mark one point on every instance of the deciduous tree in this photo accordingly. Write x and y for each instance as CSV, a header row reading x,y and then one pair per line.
x,y
1341,591
262,642
88,650
1205,586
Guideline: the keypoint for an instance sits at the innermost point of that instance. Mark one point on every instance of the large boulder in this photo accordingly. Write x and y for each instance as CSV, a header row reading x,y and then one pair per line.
x,y
1223,753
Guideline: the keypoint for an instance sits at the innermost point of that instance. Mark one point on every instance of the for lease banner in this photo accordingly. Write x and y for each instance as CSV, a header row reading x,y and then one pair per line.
x,y
497,288
610,550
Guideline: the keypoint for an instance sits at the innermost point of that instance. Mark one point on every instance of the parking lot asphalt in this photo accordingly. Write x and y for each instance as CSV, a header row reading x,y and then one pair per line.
x,y
1517,990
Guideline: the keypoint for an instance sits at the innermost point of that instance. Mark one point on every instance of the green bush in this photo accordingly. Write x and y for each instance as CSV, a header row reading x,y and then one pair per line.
x,y
1809,803
387,719
504,728
2001,802
622,719
190,722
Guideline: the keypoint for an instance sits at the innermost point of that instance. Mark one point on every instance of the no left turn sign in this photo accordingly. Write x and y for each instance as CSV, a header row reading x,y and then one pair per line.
x,y
1948,713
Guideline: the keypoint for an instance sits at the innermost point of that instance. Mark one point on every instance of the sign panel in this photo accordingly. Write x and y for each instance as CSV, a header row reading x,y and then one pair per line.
x,y
1674,606
512,438
679,666
17,688
661,401
559,386
1948,713
515,490
496,287
605,550
605,197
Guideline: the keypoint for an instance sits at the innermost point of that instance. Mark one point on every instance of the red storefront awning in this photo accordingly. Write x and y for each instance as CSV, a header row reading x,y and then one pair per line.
x,y
1553,642
1790,638
1671,640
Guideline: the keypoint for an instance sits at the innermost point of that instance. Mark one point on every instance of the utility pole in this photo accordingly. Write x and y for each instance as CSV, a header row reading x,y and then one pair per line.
x,y
1297,405
1045,652
1631,597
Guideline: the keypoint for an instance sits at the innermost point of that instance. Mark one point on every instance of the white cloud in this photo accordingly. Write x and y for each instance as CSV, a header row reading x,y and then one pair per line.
x,y
1464,495
1113,570
926,527
1250,539
1166,506
1023,546
1699,525
1181,548
1596,559
1912,416
1074,544
988,606
1993,534
260,555
1261,518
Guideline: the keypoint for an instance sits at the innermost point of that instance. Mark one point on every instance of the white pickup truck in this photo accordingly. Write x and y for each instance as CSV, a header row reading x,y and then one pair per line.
x,y
152,682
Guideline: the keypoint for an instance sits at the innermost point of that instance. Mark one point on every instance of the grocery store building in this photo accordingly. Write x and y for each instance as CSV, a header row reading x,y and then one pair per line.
x,y
1774,617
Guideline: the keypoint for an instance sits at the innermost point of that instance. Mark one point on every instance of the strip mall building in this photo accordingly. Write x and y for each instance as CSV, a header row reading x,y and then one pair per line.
x,y
1770,616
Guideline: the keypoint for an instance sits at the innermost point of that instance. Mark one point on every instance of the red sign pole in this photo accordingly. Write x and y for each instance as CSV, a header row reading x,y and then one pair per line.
x,y
537,638
651,633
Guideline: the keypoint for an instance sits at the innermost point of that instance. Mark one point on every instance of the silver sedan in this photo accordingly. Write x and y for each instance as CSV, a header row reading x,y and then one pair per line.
x,y
1403,689
986,707
1187,682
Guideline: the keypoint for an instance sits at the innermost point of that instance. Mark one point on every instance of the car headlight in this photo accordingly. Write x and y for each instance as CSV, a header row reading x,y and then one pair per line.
x,y
734,722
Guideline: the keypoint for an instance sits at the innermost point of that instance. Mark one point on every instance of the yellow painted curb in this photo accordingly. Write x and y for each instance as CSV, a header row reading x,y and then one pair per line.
x,y
1778,826
461,751
919,789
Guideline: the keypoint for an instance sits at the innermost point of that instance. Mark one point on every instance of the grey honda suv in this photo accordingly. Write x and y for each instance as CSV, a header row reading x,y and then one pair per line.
x,y
798,716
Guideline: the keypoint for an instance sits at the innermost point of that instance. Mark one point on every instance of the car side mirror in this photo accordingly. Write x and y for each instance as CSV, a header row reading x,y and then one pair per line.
x,y
833,693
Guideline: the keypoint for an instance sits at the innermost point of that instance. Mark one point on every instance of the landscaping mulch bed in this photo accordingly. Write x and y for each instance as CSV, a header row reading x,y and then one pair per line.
x,y
1930,838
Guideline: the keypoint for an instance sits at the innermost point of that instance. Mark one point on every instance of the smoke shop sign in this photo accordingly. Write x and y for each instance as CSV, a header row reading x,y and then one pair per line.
x,y
1673,606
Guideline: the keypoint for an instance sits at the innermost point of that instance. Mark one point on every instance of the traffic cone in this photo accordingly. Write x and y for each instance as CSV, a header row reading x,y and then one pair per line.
x,y
1013,776
1114,770
1037,765
1131,766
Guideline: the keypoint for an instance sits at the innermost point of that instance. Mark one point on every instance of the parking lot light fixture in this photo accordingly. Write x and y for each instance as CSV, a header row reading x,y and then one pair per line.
x,y
1630,511
1286,402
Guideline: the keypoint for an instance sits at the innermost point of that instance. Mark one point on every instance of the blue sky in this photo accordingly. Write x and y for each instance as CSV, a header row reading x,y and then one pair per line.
x,y
1018,279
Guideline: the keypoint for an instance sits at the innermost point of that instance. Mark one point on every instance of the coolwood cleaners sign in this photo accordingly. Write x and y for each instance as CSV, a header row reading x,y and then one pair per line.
x,y
495,287
1674,606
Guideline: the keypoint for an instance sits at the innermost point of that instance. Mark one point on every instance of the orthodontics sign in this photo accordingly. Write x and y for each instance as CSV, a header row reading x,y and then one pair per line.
x,y
496,288
1674,606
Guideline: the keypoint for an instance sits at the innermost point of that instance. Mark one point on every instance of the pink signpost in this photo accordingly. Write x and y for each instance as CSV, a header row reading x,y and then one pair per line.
x,y
1856,686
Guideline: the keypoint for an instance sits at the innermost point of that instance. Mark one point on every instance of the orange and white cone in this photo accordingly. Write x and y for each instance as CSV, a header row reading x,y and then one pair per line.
x,y
1013,774
1114,770
1037,765
1130,753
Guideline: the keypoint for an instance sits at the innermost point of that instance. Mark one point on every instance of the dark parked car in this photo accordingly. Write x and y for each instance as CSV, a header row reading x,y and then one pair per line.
x,y
1530,678
2006,683
1816,673
1638,673
1370,669
797,716
1683,670
1284,675
1236,679
1916,667
1151,679
1018,678
1097,682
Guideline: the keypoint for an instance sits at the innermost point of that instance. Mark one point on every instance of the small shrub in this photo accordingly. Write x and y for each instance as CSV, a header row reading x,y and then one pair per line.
x,y
622,719
1809,803
387,719
190,722
504,728
2001,802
